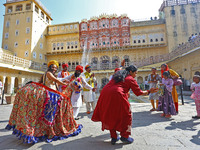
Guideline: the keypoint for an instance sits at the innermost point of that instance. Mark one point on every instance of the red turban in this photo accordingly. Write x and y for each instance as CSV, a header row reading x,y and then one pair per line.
x,y
117,69
65,65
87,66
79,67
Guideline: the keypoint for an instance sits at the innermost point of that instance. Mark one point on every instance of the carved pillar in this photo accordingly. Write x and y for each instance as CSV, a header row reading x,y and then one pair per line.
x,y
11,85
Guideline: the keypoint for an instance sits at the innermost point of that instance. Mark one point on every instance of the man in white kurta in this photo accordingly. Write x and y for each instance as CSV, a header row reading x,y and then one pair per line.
x,y
76,98
88,95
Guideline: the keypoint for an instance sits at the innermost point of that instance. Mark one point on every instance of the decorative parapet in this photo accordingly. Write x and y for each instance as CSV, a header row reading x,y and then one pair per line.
x,y
38,66
13,60
147,23
168,3
37,1
177,52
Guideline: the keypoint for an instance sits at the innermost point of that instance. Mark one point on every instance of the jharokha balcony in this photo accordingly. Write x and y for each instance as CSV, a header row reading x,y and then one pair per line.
x,y
105,63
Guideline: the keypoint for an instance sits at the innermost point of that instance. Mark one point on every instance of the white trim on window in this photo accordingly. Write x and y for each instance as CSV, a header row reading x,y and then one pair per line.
x,y
16,32
34,55
6,35
16,44
17,21
6,46
28,19
40,56
26,54
27,41
7,24
27,30
41,45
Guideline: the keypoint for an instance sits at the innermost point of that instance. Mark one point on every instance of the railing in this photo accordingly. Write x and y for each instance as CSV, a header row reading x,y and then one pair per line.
x,y
38,66
167,3
13,60
37,1
181,49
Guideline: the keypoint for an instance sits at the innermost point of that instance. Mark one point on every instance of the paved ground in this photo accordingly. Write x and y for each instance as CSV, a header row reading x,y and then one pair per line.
x,y
150,131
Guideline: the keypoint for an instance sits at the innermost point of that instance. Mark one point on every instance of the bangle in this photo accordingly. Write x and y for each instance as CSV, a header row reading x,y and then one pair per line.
x,y
148,92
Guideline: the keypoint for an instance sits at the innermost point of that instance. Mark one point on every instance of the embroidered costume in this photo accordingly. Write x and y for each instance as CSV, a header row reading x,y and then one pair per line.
x,y
174,91
166,103
40,113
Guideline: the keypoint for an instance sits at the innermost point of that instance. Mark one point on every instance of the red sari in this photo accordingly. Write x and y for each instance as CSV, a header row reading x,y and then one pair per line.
x,y
113,108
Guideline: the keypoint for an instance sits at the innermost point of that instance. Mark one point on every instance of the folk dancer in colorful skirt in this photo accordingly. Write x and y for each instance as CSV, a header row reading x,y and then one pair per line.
x,y
113,108
88,95
73,90
195,87
62,74
41,113
166,103
173,74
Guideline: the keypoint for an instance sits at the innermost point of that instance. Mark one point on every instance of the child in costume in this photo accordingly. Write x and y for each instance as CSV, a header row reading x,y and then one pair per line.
x,y
195,87
166,103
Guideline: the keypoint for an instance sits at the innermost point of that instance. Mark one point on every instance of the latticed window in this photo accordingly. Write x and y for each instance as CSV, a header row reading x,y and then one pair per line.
x,y
19,8
47,19
36,9
42,15
28,6
10,8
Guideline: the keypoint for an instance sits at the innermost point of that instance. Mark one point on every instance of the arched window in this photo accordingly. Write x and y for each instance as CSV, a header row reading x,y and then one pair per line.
x,y
94,62
127,60
19,8
105,61
115,62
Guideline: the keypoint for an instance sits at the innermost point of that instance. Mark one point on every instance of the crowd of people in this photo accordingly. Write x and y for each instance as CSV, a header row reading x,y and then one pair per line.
x,y
46,111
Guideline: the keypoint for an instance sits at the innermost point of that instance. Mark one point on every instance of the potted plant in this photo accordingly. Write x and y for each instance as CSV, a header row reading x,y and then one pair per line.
x,y
10,98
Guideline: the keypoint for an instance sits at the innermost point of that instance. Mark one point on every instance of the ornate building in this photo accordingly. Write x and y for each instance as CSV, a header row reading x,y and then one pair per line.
x,y
30,41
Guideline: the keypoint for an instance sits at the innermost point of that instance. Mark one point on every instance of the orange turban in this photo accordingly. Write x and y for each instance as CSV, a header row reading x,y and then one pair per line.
x,y
53,62
87,66
79,67
65,65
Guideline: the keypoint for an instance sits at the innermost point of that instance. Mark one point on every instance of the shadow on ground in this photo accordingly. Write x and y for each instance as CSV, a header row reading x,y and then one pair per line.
x,y
146,118
85,143
186,125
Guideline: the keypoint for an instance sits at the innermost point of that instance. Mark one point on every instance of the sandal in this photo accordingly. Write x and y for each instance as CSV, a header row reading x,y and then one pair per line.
x,y
196,117
153,109
168,116
162,115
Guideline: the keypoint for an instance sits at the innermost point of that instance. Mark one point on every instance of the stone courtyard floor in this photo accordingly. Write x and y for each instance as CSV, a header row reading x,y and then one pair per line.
x,y
149,130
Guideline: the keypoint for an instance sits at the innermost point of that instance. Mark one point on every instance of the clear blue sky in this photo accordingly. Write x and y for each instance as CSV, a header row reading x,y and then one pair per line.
x,y
65,11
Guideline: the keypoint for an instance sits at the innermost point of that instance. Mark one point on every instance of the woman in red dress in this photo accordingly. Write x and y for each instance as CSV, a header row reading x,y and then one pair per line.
x,y
113,108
